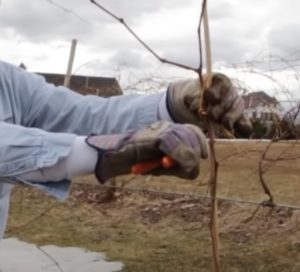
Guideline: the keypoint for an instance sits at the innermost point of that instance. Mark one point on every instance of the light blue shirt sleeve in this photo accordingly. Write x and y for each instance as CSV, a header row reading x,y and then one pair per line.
x,y
5,189
38,123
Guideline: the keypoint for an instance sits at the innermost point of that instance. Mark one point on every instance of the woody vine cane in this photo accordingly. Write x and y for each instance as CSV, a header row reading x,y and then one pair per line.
x,y
204,84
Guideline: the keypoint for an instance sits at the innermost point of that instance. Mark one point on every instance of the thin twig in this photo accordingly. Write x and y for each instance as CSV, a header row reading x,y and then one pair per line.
x,y
122,21
200,68
262,204
262,171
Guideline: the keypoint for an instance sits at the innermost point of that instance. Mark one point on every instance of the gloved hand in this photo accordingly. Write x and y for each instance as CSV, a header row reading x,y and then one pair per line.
x,y
221,100
186,144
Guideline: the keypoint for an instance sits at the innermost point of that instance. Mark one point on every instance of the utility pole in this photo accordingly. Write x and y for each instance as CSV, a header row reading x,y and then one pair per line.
x,y
70,63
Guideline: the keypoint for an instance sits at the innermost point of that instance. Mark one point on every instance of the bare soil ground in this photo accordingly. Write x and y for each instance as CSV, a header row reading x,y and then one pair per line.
x,y
151,231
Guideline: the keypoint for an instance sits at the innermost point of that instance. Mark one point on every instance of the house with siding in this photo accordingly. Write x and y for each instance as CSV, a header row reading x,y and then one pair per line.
x,y
87,85
259,106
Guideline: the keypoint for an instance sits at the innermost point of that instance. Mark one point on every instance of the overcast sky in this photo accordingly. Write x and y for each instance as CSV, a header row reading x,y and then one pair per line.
x,y
38,33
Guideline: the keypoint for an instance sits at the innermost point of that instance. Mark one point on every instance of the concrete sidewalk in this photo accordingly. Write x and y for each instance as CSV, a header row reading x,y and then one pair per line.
x,y
17,256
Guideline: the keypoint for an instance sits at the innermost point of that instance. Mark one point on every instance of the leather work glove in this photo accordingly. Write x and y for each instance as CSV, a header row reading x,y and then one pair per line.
x,y
186,144
222,104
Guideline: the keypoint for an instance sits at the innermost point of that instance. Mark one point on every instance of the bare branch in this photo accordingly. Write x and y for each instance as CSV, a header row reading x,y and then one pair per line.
x,y
200,42
122,21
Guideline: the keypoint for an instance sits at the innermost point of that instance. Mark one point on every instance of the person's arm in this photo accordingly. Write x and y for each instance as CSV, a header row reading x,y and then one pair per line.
x,y
37,157
50,160
35,103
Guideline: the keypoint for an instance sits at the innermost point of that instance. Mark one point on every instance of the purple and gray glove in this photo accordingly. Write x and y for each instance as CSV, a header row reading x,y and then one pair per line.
x,y
186,144
221,99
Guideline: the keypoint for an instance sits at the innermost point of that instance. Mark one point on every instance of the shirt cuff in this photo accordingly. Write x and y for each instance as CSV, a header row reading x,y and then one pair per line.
x,y
60,190
56,180
163,112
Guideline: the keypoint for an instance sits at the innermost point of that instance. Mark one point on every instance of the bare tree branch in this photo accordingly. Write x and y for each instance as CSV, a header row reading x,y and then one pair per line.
x,y
122,21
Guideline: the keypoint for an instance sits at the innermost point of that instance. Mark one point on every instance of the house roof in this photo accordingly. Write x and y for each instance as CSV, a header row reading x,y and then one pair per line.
x,y
259,98
102,86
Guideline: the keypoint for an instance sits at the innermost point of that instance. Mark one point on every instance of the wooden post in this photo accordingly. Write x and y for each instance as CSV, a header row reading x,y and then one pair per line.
x,y
70,63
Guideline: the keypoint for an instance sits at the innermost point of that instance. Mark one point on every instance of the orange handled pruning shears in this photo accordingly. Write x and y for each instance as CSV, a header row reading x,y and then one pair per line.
x,y
146,166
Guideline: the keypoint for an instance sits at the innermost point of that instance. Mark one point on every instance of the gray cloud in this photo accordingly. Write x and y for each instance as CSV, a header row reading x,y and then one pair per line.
x,y
285,39
239,29
129,59
42,21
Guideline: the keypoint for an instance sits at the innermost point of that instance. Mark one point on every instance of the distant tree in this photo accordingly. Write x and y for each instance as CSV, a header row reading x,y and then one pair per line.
x,y
289,131
287,128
